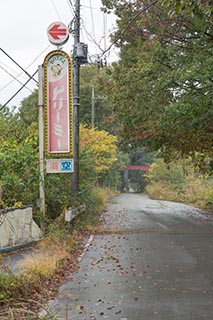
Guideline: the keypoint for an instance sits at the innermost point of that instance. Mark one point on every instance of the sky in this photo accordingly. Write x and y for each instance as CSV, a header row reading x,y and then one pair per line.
x,y
23,36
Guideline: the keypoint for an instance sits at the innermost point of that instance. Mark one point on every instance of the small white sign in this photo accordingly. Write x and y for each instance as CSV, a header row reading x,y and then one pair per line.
x,y
59,165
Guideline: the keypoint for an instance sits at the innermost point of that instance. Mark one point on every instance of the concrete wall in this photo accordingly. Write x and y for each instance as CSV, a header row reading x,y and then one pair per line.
x,y
17,227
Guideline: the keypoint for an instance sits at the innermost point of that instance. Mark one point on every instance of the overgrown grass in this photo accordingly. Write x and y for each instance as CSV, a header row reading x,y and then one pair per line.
x,y
21,294
195,193
179,182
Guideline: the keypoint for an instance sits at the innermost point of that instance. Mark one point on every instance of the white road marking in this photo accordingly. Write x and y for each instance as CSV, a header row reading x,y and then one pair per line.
x,y
163,226
86,246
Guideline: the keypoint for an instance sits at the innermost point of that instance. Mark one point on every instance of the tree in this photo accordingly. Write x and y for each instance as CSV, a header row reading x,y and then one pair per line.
x,y
93,78
191,7
101,146
19,163
162,85
29,108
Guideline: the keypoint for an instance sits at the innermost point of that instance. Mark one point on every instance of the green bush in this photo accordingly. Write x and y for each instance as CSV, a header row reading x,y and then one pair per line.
x,y
178,181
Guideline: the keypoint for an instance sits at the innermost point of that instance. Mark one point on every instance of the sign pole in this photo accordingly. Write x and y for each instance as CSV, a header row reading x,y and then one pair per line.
x,y
41,140
76,100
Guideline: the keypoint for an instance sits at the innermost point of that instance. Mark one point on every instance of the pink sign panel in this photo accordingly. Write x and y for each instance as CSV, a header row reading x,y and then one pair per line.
x,y
58,104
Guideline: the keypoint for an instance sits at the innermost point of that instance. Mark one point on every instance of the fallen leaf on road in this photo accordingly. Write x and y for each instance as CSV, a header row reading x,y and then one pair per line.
x,y
77,307
117,312
110,308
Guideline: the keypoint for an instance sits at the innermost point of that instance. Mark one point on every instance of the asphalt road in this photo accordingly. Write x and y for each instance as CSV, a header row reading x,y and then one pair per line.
x,y
155,262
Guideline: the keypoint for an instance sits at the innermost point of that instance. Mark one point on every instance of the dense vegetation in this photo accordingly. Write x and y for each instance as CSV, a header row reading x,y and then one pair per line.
x,y
19,163
178,181
161,87
157,97
22,296
155,101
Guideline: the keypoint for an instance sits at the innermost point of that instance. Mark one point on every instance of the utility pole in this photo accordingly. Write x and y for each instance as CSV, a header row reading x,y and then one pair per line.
x,y
76,99
93,99
93,107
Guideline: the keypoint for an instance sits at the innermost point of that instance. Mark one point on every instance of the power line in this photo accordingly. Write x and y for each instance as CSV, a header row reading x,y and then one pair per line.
x,y
88,7
19,65
38,57
71,5
105,50
105,28
128,25
9,68
31,77
13,78
16,78
56,10
91,36
91,39
92,19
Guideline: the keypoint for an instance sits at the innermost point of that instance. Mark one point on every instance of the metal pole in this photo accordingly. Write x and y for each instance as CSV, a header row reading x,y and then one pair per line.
x,y
93,107
76,100
41,140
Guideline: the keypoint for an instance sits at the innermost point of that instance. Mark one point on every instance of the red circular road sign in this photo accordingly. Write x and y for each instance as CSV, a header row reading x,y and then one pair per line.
x,y
58,33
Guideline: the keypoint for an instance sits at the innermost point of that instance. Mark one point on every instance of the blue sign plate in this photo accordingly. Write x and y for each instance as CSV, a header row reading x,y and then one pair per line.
x,y
59,165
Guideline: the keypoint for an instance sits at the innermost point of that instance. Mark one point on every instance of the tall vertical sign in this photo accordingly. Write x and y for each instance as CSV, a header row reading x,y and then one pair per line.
x,y
58,104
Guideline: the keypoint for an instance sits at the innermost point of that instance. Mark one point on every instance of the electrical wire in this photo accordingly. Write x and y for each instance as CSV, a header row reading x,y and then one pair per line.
x,y
31,77
40,54
92,19
91,36
56,10
13,71
16,78
88,7
91,39
19,65
105,50
105,28
71,6
128,25
9,68
13,78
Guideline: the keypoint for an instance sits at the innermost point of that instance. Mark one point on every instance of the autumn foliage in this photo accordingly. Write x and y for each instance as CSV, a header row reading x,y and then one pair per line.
x,y
101,146
19,165
161,87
